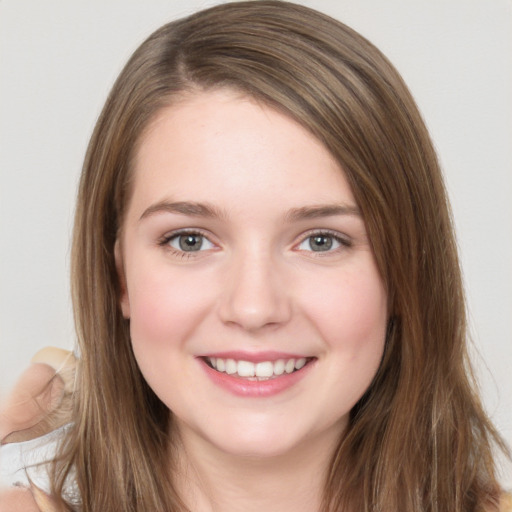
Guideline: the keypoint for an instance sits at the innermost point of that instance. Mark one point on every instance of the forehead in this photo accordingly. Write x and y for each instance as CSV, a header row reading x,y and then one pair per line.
x,y
224,145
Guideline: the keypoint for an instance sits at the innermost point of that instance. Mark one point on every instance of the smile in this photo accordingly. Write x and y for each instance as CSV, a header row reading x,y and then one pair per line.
x,y
256,375
263,370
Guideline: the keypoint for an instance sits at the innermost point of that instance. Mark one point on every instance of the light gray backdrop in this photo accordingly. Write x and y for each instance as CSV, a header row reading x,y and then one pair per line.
x,y
58,60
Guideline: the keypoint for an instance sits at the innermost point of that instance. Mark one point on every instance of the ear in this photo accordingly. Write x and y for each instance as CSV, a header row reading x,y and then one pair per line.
x,y
124,300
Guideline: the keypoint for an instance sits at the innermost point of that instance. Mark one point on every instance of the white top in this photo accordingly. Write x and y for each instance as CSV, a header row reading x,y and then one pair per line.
x,y
31,459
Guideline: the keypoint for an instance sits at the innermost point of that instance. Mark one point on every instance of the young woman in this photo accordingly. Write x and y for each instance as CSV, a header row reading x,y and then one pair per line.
x,y
267,294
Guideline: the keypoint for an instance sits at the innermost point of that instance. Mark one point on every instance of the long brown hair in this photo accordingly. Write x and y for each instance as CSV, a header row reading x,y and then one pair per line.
x,y
418,440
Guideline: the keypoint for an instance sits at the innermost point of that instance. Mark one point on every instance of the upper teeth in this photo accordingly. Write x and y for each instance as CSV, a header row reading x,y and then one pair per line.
x,y
264,369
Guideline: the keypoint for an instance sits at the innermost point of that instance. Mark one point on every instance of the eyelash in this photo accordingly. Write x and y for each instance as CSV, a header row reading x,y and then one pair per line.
x,y
166,239
344,242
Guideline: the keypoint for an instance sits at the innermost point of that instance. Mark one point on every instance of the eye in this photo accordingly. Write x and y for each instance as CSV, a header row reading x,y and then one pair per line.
x,y
322,242
189,242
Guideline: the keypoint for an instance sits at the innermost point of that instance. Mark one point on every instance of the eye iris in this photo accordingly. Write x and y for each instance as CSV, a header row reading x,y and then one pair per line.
x,y
320,242
190,242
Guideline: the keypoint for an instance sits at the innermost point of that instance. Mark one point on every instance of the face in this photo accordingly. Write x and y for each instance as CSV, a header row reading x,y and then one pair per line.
x,y
256,310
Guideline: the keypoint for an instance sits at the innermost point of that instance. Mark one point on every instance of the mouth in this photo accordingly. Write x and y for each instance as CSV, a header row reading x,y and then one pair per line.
x,y
260,371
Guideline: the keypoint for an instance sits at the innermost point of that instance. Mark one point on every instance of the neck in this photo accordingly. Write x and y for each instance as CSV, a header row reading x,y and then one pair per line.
x,y
210,480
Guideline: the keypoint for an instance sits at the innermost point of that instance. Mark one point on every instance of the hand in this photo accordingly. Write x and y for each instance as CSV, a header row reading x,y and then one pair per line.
x,y
40,401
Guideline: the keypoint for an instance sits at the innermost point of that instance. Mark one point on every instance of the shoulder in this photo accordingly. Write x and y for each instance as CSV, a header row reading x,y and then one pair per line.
x,y
18,499
506,503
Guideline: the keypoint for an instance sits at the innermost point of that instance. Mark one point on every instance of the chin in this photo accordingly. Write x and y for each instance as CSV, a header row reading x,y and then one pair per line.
x,y
257,440
257,448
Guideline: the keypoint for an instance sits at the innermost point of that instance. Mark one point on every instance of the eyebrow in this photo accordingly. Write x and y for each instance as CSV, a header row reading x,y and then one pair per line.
x,y
192,209
207,210
327,210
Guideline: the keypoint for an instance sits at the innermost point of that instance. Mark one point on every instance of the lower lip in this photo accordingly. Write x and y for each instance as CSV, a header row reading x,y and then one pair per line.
x,y
255,388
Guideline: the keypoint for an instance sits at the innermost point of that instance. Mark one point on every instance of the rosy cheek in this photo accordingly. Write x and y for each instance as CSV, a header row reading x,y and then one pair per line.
x,y
351,312
165,305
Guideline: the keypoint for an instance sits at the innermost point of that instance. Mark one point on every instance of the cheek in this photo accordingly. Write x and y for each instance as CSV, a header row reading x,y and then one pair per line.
x,y
351,317
165,308
350,311
165,305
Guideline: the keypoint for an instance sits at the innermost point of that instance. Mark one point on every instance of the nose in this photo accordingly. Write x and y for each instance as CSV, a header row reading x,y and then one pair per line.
x,y
254,294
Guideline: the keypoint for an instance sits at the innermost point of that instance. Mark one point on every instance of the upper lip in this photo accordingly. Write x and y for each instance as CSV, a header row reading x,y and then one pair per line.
x,y
254,357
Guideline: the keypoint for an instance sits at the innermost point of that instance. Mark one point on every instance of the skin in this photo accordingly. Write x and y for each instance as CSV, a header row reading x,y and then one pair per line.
x,y
257,284
28,413
17,500
38,392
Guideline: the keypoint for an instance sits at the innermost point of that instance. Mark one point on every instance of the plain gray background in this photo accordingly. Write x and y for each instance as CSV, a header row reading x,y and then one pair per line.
x,y
58,60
